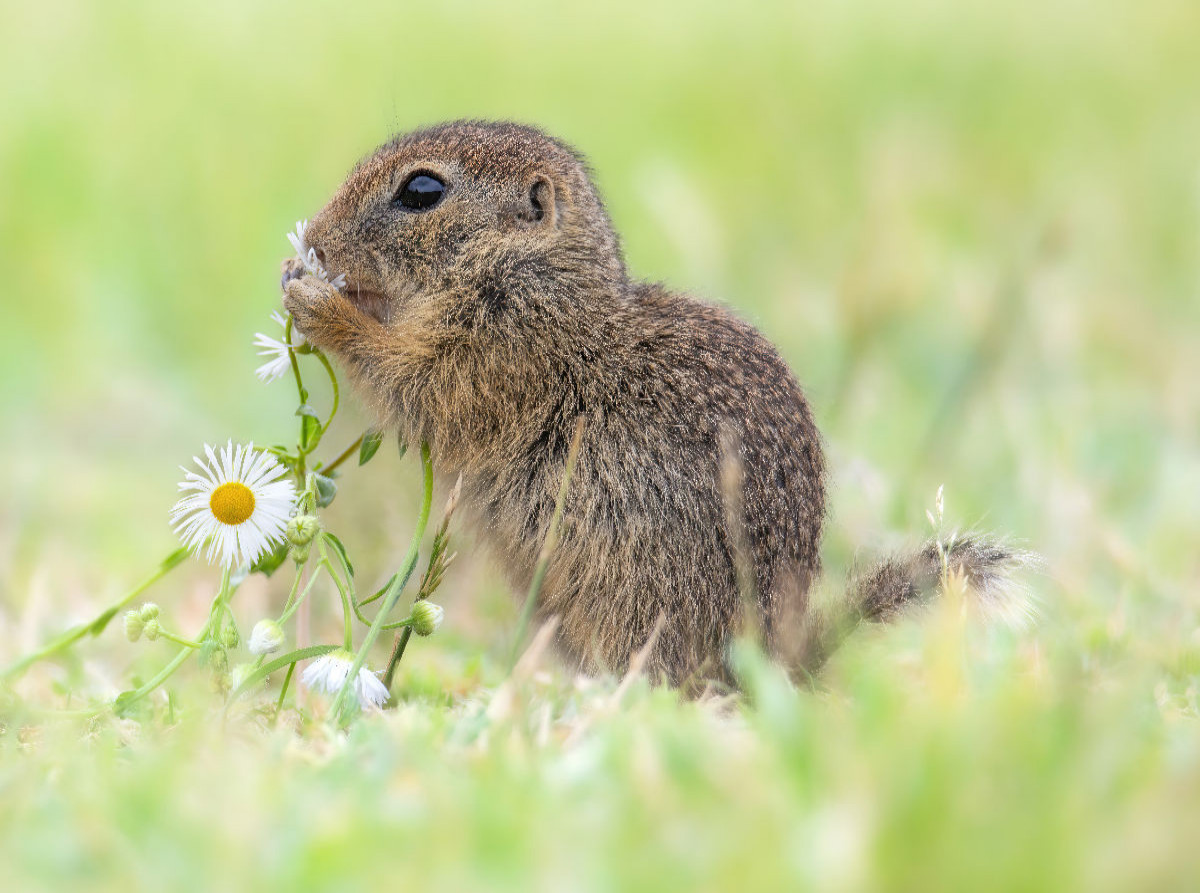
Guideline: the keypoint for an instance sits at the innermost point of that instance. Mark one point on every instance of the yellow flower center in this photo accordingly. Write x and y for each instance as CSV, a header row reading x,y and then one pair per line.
x,y
232,503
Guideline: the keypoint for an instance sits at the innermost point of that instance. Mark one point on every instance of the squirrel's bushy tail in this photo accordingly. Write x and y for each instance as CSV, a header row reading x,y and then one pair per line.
x,y
988,568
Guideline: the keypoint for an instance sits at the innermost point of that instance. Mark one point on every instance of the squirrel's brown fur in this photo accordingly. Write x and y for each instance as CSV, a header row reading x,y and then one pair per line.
x,y
492,322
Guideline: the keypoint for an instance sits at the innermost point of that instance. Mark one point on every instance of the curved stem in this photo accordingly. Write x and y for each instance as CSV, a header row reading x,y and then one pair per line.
x,y
284,688
295,587
347,615
178,640
349,451
164,674
291,608
301,466
336,394
393,593
66,639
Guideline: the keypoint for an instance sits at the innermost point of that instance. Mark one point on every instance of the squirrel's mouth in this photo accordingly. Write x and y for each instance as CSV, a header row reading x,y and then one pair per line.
x,y
373,303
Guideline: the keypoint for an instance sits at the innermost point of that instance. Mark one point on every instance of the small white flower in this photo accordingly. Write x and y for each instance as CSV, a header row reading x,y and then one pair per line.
x,y
237,502
308,256
266,638
276,352
328,673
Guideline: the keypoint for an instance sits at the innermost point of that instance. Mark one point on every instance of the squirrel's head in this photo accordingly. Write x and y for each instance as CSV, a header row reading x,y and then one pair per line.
x,y
474,208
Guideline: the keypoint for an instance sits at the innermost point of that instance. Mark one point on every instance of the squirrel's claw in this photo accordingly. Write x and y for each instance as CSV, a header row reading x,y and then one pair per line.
x,y
292,268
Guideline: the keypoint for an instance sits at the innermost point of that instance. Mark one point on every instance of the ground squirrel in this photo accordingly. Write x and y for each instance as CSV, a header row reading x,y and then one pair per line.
x,y
488,309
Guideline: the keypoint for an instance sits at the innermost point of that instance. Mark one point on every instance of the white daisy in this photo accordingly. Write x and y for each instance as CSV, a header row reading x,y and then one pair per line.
x,y
237,502
308,257
328,673
277,353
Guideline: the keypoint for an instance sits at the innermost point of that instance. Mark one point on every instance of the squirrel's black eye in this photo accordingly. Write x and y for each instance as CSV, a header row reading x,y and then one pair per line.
x,y
420,192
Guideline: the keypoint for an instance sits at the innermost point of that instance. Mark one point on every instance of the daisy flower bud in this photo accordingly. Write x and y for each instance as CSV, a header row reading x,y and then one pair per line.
x,y
134,624
151,629
229,636
328,673
426,618
302,528
148,612
266,638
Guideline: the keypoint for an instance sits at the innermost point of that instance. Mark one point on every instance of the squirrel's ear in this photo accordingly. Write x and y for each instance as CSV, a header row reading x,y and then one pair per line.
x,y
542,207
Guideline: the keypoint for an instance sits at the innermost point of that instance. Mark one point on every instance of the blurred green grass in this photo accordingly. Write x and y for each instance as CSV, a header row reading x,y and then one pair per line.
x,y
974,233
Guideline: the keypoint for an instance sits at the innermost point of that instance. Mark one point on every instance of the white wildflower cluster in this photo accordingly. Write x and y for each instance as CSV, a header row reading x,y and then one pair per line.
x,y
240,505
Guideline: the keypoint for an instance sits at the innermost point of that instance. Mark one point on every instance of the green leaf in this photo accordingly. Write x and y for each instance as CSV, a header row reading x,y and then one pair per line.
x,y
270,562
340,551
370,445
279,663
123,702
284,455
402,446
175,558
326,489
103,621
310,433
382,589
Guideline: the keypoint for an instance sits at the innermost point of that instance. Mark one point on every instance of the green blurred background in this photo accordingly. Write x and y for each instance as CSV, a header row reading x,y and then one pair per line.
x,y
972,229
973,233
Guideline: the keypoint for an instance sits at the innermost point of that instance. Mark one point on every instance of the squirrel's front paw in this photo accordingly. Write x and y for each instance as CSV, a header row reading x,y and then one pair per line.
x,y
315,306
292,268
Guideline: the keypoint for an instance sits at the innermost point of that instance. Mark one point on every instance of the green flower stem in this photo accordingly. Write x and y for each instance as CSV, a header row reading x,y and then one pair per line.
x,y
287,606
179,640
165,673
301,466
349,451
291,608
93,627
398,649
393,593
291,658
214,612
283,689
347,614
336,395
407,621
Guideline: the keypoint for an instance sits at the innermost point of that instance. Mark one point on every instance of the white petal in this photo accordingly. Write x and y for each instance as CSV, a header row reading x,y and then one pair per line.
x,y
369,690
